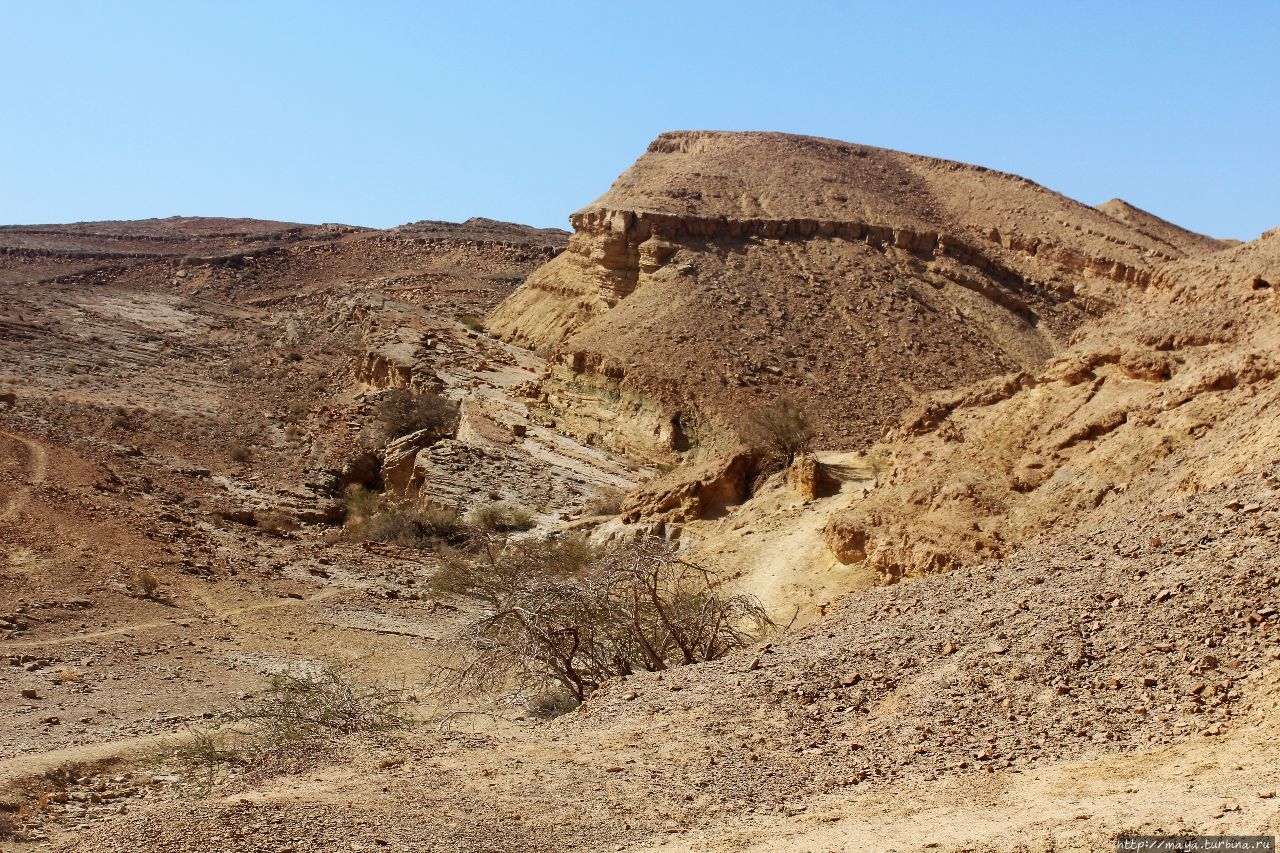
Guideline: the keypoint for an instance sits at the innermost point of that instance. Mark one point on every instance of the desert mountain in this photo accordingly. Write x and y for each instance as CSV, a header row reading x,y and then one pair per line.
x,y
726,269
1025,582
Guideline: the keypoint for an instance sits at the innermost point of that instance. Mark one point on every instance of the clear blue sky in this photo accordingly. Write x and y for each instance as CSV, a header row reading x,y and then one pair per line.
x,y
376,113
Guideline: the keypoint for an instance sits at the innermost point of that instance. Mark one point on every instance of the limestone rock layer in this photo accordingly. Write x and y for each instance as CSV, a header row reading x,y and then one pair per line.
x,y
726,269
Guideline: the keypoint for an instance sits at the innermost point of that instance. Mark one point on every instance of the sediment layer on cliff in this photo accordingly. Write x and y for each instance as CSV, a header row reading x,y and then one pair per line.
x,y
725,269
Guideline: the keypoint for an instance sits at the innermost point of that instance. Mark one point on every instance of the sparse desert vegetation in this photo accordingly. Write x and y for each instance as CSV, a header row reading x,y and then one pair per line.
x,y
780,431
561,616
499,516
268,501
299,713
400,412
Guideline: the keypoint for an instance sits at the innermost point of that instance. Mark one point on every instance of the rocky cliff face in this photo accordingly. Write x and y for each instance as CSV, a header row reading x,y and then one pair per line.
x,y
1171,394
725,269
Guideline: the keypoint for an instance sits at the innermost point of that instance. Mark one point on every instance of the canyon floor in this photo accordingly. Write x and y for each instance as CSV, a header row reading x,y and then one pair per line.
x,y
1027,587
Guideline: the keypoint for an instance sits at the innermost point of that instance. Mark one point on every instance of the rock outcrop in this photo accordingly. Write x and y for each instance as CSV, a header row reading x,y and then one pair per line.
x,y
809,478
726,269
693,493
1179,379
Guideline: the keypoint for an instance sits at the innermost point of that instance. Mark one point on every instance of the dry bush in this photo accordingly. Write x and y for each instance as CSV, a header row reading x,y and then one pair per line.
x,y
608,501
561,617
373,517
68,674
499,516
300,710
203,752
780,431
444,522
400,412
472,321
310,705
276,522
239,453
145,583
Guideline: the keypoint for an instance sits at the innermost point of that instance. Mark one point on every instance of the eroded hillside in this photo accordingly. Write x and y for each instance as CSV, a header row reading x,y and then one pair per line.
x,y
1024,576
726,269
185,409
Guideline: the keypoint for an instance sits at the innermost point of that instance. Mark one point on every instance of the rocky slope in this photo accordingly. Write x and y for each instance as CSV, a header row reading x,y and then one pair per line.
x,y
725,269
1180,239
1034,609
1172,393
195,418
1110,665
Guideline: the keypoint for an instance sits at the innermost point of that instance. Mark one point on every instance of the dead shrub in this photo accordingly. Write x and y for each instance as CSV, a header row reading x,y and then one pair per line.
x,y
276,522
500,516
400,412
608,501
145,583
67,675
239,453
120,419
780,431
561,617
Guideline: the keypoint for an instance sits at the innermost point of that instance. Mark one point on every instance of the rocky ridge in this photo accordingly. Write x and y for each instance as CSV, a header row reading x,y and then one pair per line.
x,y
992,270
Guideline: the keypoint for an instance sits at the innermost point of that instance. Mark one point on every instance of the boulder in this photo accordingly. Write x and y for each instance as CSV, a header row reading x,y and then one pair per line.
x,y
687,494
398,460
810,478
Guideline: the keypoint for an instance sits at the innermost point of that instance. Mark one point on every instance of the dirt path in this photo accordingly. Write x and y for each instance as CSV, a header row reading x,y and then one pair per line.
x,y
212,603
37,468
35,763
179,620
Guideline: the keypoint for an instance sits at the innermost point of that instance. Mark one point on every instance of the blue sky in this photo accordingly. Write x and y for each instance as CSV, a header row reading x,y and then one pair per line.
x,y
377,113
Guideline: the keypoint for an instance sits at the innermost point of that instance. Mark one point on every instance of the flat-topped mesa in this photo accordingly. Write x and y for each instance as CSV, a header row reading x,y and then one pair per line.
x,y
810,267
